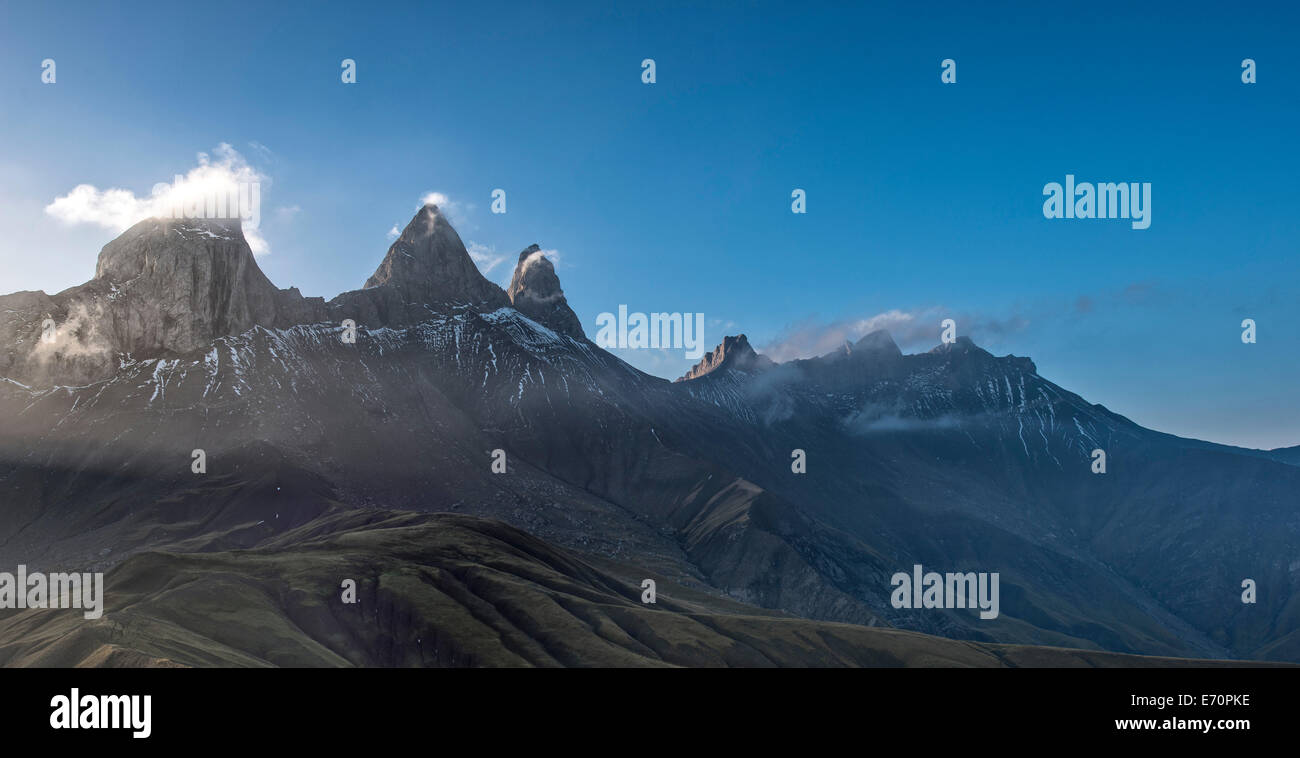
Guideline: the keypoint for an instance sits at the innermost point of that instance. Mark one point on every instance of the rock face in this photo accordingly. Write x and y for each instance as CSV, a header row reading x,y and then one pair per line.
x,y
429,264
535,292
164,287
733,352
176,284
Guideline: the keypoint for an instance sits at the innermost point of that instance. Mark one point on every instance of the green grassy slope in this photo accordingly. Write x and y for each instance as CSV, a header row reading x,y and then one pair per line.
x,y
450,590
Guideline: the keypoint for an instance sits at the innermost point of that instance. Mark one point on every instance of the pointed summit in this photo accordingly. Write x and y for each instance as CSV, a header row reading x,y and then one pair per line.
x,y
535,292
429,264
879,343
733,353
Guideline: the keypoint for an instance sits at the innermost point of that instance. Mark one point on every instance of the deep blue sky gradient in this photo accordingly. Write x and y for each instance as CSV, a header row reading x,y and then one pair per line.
x,y
922,197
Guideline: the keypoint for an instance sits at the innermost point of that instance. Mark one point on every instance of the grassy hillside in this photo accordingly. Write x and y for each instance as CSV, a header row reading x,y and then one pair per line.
x,y
450,590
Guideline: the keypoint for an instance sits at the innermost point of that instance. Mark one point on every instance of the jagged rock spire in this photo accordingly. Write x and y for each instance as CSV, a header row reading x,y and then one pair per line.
x,y
535,292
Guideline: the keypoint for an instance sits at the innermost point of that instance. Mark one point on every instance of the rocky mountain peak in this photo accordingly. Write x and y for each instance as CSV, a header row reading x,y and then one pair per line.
x,y
428,263
535,292
165,286
879,343
733,352
176,284
149,247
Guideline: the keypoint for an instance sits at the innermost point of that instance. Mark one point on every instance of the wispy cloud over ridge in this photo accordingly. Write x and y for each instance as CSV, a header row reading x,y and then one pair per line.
x,y
911,329
221,174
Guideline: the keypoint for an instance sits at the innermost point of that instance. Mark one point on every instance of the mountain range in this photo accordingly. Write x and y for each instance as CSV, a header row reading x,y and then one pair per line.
x,y
356,438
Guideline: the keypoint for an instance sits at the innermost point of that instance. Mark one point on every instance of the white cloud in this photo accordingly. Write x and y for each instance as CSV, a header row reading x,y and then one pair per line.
x,y
552,255
484,256
394,233
916,329
810,339
221,185
436,198
455,211
262,150
531,259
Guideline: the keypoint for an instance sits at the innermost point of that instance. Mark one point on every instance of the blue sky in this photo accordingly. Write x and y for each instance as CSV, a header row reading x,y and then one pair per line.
x,y
924,199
